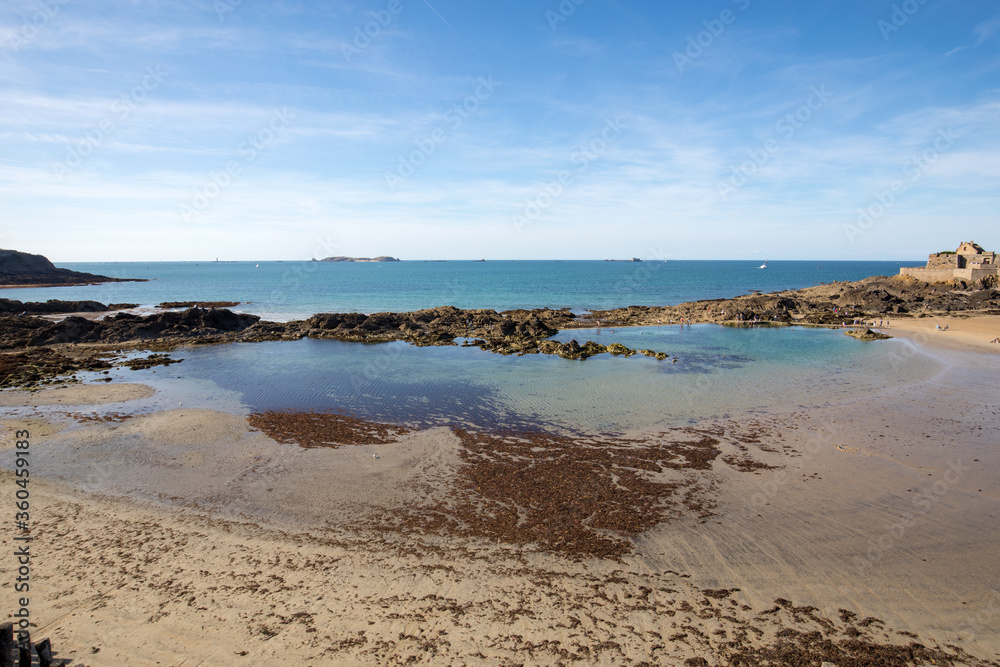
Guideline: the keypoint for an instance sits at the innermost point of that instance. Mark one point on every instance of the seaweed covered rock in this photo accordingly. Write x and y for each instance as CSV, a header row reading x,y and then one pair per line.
x,y
866,334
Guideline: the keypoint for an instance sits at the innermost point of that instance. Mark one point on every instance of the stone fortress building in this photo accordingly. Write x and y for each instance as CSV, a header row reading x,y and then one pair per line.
x,y
970,263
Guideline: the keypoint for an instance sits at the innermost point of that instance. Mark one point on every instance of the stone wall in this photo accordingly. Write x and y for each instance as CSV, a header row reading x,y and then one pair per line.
x,y
946,275
977,274
929,275
942,261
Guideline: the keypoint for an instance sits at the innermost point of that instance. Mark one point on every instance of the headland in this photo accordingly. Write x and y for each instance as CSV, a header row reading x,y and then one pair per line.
x,y
21,269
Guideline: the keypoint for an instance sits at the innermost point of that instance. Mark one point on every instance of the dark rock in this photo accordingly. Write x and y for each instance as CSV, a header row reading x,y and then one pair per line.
x,y
39,366
51,306
7,645
198,304
44,651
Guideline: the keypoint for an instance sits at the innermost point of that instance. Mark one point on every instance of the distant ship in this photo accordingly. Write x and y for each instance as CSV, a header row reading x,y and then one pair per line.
x,y
763,266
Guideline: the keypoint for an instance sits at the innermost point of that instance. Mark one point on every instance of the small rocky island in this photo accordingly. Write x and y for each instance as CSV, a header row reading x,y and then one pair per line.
x,y
380,258
22,269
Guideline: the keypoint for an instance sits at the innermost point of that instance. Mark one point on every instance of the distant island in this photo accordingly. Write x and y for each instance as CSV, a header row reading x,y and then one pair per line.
x,y
22,269
634,259
380,258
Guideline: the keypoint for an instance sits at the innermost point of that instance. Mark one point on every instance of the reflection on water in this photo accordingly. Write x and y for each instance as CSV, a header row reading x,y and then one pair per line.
x,y
714,372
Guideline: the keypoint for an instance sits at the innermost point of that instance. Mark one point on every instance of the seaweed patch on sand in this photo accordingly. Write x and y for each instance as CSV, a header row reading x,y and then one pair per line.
x,y
583,496
322,429
580,496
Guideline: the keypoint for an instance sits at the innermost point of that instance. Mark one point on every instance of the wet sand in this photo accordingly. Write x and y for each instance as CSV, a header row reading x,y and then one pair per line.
x,y
75,394
188,535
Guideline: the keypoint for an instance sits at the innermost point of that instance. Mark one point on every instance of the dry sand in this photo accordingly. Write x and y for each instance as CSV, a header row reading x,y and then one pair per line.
x,y
968,332
185,537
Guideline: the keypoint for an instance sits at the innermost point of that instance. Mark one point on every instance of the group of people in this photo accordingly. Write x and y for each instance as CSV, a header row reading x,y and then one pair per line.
x,y
858,322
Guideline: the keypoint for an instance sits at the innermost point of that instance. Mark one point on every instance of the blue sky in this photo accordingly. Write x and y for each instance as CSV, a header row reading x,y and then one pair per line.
x,y
261,129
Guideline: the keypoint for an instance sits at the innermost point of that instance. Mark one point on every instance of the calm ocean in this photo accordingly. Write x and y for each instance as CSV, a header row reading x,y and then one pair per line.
x,y
292,290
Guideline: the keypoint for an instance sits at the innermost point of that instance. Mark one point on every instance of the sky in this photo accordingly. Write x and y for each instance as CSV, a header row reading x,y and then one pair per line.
x,y
439,129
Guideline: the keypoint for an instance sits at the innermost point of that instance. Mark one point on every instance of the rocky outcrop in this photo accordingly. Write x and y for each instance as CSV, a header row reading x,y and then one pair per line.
x,y
510,332
53,306
829,304
864,333
22,269
169,327
198,304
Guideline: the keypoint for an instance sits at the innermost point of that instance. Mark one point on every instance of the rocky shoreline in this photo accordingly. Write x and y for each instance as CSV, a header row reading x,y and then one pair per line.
x,y
831,304
509,332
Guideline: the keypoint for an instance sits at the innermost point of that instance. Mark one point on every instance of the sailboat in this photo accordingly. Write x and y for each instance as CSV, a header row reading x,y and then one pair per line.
x,y
763,266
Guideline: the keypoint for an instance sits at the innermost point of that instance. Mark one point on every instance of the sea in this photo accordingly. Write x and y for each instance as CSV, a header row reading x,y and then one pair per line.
x,y
714,372
293,290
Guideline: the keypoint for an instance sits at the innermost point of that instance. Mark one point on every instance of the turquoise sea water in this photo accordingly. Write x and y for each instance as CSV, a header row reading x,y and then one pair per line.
x,y
714,371
291,290
719,372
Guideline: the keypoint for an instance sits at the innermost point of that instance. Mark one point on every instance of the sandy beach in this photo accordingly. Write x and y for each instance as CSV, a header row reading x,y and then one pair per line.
x,y
968,332
187,536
